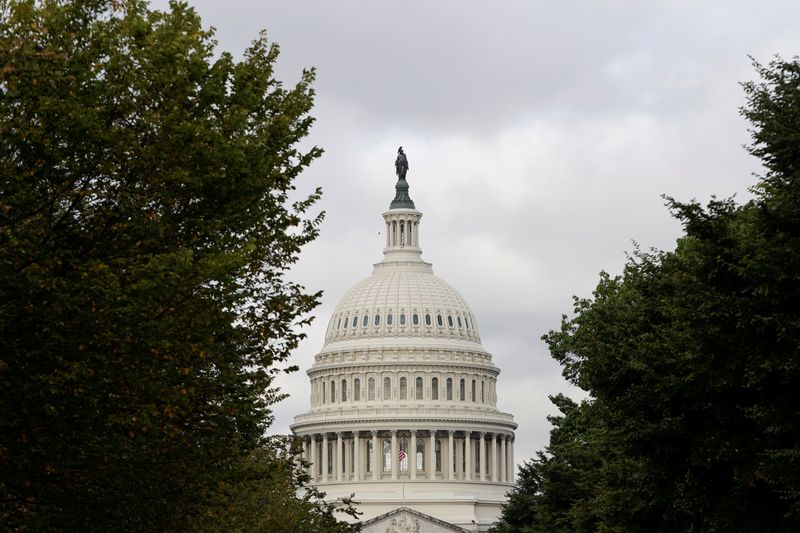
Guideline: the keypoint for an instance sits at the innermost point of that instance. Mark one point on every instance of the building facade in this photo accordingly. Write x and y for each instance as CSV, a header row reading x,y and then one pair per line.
x,y
404,398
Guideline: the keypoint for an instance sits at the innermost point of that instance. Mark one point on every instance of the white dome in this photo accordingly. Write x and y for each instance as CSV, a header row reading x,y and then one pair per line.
x,y
402,301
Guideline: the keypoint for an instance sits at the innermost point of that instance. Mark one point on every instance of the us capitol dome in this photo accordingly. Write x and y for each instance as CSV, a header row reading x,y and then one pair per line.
x,y
404,397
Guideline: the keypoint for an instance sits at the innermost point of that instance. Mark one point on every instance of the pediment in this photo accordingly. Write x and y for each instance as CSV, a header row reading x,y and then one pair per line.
x,y
406,520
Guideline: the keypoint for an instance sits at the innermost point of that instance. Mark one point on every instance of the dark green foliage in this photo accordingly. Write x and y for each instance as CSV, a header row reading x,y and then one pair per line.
x,y
692,362
145,226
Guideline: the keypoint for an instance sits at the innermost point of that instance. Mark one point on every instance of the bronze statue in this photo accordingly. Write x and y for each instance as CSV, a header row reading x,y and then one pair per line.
x,y
401,164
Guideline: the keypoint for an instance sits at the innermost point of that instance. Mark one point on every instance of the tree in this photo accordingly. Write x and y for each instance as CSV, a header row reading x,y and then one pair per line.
x,y
145,228
692,357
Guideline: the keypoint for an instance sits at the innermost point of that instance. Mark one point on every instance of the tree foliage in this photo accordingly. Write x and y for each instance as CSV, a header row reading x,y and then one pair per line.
x,y
145,228
692,361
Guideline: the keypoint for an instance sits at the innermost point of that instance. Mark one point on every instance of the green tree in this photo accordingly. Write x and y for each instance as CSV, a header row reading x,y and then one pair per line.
x,y
145,229
692,358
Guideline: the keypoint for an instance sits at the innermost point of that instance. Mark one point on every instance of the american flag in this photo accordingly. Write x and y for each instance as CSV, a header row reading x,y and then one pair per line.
x,y
402,454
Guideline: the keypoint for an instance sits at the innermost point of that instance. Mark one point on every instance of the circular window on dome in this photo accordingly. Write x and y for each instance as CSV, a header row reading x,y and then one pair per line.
x,y
439,320
415,319
389,319
402,319
377,320
450,320
427,320
365,322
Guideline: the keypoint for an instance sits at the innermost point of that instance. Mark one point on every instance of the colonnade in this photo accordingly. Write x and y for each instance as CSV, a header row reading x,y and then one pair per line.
x,y
374,455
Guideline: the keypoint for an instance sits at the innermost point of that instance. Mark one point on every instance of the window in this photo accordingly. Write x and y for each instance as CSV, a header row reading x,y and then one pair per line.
x,y
365,321
476,453
439,320
427,319
355,321
459,321
357,390
415,319
370,455
371,389
420,454
435,389
418,388
339,323
483,400
377,320
438,455
473,390
403,389
330,456
402,442
461,390
389,319
450,320
324,393
387,455
466,321
344,390
402,319
449,388
333,392
387,389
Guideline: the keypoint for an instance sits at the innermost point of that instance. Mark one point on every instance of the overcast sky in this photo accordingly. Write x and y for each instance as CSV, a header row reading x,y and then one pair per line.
x,y
540,137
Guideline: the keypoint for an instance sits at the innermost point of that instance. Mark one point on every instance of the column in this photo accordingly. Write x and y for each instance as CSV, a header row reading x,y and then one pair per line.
x,y
494,458
356,456
483,456
312,468
432,455
469,467
503,460
513,467
377,467
459,459
412,455
337,462
450,455
324,457
395,460
348,459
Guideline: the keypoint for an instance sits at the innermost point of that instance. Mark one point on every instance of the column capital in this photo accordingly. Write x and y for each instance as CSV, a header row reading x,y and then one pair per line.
x,y
483,434
413,431
451,431
393,432
339,434
374,432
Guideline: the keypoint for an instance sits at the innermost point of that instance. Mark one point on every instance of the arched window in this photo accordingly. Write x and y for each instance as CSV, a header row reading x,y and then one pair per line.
x,y
473,390
402,319
389,319
344,390
371,389
439,320
403,389
435,389
461,390
459,321
483,397
387,389
339,323
365,321
415,319
420,455
418,388
355,321
427,319
357,390
333,392
324,393
450,320
449,388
